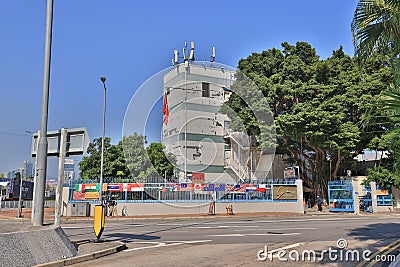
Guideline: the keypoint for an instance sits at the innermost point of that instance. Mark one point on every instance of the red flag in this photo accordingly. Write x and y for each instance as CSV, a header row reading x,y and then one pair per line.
x,y
165,109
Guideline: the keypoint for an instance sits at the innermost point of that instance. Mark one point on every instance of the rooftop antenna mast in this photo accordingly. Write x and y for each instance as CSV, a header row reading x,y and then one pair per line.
x,y
212,57
185,57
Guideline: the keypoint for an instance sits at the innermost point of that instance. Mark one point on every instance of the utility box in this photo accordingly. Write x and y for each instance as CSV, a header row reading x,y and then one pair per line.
x,y
78,209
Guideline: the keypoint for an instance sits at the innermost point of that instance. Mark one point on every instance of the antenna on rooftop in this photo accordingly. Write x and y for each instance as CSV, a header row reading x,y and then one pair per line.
x,y
191,56
212,54
175,60
185,57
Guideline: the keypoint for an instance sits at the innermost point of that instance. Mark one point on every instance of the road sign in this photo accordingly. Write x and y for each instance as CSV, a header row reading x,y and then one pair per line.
x,y
77,142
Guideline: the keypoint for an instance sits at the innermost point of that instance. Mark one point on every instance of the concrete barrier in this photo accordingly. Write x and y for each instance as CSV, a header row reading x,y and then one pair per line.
x,y
35,247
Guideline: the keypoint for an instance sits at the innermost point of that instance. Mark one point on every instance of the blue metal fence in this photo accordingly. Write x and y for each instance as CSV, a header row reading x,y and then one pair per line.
x,y
340,195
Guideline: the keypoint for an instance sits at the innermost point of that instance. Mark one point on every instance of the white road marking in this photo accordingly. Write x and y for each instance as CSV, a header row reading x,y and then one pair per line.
x,y
170,224
227,226
259,234
194,241
147,247
163,244
289,220
278,229
228,235
275,234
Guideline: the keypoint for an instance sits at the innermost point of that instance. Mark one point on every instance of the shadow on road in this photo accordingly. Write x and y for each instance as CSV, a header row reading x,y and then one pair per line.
x,y
382,232
129,237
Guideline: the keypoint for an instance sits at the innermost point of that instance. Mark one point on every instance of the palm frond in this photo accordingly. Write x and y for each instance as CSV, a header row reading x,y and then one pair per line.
x,y
376,27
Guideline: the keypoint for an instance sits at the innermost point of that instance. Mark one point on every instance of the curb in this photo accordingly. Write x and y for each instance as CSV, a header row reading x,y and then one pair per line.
x,y
87,257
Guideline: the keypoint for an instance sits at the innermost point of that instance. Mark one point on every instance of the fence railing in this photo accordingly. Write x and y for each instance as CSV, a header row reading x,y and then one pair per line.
x,y
179,192
13,204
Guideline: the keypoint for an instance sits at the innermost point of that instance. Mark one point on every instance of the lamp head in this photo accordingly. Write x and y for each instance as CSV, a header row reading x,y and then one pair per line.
x,y
103,79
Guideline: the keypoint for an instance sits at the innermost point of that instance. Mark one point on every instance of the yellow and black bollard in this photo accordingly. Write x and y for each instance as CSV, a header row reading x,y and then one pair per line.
x,y
98,222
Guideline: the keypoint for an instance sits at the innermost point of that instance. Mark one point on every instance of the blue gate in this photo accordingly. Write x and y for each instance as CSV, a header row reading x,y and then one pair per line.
x,y
340,196
383,196
366,200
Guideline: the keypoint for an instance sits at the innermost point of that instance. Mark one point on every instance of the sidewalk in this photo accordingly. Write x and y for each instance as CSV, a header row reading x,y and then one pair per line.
x,y
49,215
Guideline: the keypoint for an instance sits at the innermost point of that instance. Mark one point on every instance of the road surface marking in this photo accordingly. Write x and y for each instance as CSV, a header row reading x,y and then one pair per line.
x,y
382,251
275,234
276,229
171,224
227,226
228,235
163,244
194,241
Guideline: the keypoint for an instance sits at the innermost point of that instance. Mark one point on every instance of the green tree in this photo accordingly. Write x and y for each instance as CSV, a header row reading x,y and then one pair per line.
x,y
135,154
146,162
161,162
376,28
318,106
114,162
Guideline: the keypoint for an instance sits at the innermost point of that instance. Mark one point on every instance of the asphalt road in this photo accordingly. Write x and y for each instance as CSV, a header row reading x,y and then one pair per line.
x,y
242,241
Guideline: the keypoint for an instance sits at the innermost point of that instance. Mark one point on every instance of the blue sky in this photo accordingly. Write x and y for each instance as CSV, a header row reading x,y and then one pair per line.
x,y
129,41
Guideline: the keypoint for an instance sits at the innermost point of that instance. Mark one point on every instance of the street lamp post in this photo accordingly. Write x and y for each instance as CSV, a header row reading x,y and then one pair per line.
x,y
41,159
103,80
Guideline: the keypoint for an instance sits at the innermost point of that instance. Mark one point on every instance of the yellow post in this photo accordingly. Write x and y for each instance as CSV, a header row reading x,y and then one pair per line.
x,y
98,222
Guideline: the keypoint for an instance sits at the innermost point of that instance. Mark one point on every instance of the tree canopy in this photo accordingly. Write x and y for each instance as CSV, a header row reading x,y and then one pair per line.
x,y
320,106
129,158
114,162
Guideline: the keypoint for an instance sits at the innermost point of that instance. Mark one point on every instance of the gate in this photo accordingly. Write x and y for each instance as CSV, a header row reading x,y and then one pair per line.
x,y
340,196
366,201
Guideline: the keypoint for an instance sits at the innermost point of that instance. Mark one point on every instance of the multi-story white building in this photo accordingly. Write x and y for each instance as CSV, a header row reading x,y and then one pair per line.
x,y
196,131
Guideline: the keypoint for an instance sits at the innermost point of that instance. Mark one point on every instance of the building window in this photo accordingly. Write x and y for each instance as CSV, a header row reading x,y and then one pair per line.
x,y
205,90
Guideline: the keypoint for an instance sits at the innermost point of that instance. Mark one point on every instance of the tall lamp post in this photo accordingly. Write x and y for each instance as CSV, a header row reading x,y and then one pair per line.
x,y
103,80
41,159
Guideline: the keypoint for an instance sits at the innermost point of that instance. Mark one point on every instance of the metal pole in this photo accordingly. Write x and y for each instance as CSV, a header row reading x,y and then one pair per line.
x,y
20,195
38,208
61,160
103,79
186,69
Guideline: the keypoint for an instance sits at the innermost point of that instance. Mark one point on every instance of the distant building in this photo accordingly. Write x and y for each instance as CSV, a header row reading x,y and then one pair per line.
x,y
69,170
27,170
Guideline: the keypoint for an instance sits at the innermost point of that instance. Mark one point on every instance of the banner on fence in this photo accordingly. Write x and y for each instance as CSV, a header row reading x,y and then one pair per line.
x,y
285,192
198,178
139,187
92,195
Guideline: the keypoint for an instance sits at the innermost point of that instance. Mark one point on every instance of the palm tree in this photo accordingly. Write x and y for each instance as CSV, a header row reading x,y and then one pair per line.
x,y
376,27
